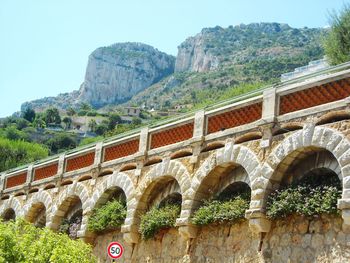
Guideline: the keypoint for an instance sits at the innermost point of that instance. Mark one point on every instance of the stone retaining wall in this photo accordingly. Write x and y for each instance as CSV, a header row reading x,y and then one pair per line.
x,y
293,239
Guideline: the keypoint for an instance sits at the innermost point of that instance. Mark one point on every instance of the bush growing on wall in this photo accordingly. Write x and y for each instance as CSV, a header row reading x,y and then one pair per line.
x,y
222,211
158,218
310,196
23,242
109,216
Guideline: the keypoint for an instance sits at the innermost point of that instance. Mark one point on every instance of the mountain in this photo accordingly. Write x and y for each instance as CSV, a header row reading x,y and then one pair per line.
x,y
207,65
115,73
216,60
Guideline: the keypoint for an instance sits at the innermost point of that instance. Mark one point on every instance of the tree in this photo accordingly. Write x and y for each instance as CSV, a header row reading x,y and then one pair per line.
x,y
113,120
61,142
136,121
28,114
67,122
16,153
101,129
92,125
85,107
52,116
70,111
337,43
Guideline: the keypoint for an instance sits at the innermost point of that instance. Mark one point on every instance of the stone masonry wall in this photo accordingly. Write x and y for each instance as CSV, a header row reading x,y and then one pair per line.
x,y
293,239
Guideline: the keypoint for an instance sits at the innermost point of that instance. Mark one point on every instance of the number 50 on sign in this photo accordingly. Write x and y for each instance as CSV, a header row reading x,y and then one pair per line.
x,y
115,250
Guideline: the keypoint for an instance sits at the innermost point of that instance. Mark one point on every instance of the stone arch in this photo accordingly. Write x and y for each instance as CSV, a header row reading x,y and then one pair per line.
x,y
77,191
101,193
12,203
310,138
168,169
117,179
237,158
231,153
41,197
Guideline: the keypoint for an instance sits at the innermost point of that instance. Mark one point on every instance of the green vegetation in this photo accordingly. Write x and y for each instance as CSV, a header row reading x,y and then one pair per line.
x,y
107,217
337,43
158,218
228,208
16,153
23,242
310,196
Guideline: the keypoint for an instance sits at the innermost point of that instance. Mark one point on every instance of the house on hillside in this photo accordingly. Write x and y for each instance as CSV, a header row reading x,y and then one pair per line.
x,y
132,111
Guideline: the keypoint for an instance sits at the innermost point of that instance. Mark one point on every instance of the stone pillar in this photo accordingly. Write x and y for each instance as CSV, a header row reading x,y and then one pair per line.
x,y
144,139
2,182
187,230
61,164
258,222
29,174
269,114
270,105
344,206
130,234
98,153
199,125
198,135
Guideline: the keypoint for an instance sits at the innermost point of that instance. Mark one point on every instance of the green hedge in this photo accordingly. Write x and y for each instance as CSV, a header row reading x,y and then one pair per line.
x,y
22,242
158,218
221,211
109,216
311,196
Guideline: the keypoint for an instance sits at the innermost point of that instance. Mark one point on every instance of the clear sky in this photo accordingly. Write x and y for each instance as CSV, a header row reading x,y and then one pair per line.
x,y
45,44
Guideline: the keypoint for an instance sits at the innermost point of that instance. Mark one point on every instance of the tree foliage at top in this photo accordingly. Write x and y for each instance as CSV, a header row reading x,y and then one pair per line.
x,y
15,153
337,43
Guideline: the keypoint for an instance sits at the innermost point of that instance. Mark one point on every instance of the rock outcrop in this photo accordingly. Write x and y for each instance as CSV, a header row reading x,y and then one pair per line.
x,y
117,72
217,46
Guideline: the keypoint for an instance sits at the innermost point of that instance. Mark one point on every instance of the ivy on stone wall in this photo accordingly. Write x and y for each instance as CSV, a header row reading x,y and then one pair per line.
x,y
107,217
158,218
313,195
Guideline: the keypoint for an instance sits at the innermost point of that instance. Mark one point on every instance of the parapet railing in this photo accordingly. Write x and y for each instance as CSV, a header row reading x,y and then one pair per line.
x,y
264,103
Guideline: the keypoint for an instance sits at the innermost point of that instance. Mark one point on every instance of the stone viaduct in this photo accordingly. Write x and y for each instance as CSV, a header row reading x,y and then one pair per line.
x,y
261,139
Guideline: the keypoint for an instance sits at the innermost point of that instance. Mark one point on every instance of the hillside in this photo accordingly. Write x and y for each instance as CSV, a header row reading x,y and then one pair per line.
x,y
217,60
207,66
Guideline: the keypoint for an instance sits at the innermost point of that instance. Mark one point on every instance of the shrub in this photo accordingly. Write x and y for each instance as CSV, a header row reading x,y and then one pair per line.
x,y
109,216
337,43
216,211
309,197
158,218
23,242
15,153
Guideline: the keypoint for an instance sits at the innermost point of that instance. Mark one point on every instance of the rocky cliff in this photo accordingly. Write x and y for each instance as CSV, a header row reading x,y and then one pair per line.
x,y
117,72
217,46
207,64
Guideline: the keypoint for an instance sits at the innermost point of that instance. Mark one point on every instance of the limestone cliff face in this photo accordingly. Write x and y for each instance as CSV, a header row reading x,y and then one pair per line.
x,y
117,72
193,55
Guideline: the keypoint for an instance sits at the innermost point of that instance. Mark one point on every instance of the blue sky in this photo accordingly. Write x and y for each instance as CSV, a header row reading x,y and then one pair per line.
x,y
45,44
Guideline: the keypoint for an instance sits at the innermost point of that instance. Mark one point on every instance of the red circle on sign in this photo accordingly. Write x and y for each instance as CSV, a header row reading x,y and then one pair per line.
x,y
115,253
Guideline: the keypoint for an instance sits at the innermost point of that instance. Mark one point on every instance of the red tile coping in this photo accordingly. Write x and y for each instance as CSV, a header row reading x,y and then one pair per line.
x,y
315,96
45,172
16,180
79,162
234,118
121,150
172,135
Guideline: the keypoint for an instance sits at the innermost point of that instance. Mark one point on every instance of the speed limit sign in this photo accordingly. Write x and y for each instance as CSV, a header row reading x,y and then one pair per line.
x,y
115,250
